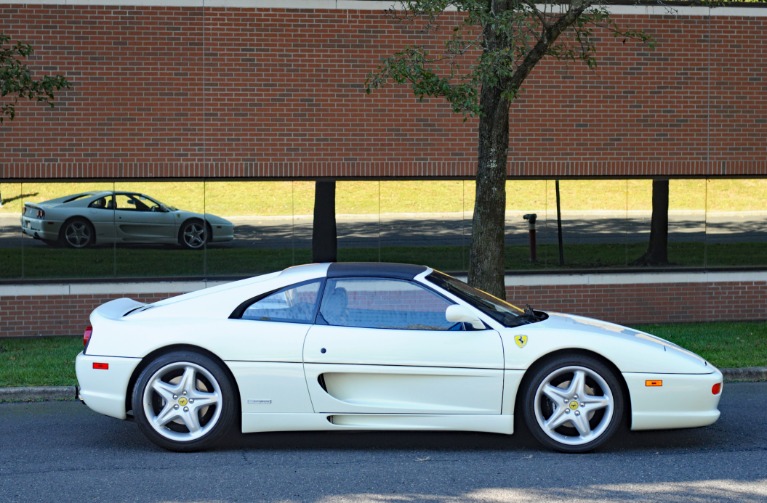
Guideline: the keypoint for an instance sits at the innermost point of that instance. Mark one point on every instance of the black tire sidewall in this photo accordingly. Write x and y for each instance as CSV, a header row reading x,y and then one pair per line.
x,y
227,404
542,372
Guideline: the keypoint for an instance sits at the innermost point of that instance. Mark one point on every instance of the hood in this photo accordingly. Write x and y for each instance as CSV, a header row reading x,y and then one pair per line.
x,y
630,349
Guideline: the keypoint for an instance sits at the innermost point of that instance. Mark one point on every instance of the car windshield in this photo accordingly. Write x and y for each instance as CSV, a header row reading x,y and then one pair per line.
x,y
501,311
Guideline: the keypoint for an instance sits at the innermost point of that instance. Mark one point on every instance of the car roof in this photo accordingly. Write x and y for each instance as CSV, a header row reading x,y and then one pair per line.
x,y
376,269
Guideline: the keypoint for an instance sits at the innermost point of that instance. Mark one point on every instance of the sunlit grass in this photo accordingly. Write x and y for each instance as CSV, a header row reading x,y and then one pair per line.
x,y
285,198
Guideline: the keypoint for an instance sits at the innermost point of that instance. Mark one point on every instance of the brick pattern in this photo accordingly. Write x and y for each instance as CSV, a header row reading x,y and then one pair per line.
x,y
166,92
651,303
28,316
40,315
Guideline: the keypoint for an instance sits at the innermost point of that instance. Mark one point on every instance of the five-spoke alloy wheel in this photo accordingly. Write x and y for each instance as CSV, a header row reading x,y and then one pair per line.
x,y
193,234
184,401
573,404
77,233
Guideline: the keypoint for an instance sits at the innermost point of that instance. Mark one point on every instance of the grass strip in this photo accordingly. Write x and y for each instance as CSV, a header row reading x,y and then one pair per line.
x,y
164,262
49,361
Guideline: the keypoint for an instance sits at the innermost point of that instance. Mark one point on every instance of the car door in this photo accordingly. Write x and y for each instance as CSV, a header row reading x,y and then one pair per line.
x,y
101,214
139,219
384,346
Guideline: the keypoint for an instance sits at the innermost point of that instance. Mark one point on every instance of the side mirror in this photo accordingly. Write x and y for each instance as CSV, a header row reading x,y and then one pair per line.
x,y
461,314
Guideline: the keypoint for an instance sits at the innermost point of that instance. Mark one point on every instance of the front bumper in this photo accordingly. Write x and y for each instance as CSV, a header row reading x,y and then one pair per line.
x,y
681,401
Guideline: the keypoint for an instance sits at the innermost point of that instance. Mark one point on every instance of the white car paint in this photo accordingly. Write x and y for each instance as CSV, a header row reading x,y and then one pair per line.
x,y
304,376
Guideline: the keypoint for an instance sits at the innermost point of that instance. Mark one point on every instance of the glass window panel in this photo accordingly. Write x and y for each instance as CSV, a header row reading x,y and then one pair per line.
x,y
384,304
296,304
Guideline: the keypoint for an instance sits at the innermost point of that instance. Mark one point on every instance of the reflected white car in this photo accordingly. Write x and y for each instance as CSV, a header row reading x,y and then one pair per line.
x,y
354,346
88,218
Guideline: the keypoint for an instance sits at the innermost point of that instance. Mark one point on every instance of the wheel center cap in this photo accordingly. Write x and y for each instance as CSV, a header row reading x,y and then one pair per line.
x,y
573,405
183,401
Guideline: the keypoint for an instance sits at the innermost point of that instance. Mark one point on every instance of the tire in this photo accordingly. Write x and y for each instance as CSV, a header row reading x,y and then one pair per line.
x,y
573,404
184,401
77,233
194,234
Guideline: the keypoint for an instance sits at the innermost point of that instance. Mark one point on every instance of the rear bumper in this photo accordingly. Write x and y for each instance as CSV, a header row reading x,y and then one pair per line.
x,y
683,400
40,229
103,383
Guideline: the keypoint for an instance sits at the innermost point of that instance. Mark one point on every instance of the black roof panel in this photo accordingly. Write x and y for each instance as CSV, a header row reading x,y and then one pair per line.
x,y
374,269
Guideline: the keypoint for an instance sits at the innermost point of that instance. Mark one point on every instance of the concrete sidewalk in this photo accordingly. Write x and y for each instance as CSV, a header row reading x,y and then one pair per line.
x,y
50,393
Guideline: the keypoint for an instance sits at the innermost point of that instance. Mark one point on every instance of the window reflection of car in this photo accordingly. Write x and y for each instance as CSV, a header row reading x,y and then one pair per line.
x,y
88,218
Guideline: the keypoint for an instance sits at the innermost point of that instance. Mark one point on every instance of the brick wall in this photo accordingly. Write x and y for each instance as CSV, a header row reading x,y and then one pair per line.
x,y
255,93
214,92
620,298
652,303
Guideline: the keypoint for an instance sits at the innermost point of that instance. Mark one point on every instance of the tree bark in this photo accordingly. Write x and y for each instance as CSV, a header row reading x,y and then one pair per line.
x,y
657,249
486,258
324,232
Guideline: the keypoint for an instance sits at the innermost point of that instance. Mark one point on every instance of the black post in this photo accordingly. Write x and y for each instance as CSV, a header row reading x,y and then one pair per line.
x,y
324,233
559,226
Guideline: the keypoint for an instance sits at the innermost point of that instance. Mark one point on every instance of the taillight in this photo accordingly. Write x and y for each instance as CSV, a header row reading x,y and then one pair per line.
x,y
36,212
716,388
87,337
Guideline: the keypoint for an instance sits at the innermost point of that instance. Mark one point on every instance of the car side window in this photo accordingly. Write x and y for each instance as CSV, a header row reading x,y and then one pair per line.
x,y
383,303
134,202
294,304
100,203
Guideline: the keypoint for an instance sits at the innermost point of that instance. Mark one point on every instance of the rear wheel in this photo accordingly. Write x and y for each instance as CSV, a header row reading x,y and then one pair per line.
x,y
184,401
77,233
573,404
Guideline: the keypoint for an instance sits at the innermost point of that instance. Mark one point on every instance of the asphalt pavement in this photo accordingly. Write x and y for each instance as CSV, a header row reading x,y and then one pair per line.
x,y
64,452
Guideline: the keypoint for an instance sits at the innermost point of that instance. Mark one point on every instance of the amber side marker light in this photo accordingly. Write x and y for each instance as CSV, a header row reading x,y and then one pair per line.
x,y
653,383
716,388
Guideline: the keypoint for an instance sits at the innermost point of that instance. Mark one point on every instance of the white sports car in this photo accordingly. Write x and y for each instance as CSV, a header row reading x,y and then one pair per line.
x,y
81,220
354,346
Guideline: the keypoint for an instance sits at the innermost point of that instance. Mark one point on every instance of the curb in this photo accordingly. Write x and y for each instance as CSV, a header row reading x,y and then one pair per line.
x,y
62,393
37,394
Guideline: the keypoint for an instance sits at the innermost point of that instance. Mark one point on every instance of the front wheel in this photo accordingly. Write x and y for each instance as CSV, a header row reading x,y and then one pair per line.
x,y
573,404
193,234
184,401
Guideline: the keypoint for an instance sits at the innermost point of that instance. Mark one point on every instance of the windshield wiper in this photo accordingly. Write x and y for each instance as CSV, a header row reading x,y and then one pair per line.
x,y
529,316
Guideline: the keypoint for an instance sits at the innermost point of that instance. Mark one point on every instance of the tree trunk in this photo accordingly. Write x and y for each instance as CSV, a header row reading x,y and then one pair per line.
x,y
324,233
486,259
657,250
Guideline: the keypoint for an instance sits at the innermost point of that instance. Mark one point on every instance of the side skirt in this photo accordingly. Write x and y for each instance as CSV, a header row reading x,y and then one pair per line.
x,y
496,423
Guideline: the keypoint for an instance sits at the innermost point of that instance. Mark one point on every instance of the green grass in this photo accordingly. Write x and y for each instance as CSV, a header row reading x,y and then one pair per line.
x,y
168,262
49,361
38,361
